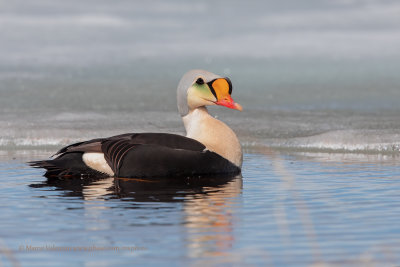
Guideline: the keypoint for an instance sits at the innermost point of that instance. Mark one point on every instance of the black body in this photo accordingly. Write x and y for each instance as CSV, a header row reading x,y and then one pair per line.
x,y
145,155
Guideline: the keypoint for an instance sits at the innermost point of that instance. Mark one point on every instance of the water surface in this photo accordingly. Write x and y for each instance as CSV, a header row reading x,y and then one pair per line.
x,y
287,209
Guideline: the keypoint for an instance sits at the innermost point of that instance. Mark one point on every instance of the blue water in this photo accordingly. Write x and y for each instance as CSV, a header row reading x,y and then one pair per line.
x,y
288,209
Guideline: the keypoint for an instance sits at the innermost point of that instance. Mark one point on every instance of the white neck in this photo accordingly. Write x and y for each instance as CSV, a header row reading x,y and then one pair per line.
x,y
214,134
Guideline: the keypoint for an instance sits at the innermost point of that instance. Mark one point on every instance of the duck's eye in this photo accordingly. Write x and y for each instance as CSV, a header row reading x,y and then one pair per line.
x,y
200,81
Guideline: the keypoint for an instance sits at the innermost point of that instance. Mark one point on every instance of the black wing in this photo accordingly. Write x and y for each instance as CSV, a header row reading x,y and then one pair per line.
x,y
163,155
163,139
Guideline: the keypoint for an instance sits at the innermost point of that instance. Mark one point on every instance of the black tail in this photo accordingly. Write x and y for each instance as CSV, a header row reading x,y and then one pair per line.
x,y
66,165
52,170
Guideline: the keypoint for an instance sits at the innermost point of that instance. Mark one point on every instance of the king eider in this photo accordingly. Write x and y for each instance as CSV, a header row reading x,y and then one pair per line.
x,y
209,148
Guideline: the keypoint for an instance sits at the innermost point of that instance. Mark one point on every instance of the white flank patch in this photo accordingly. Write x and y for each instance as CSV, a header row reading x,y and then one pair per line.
x,y
97,162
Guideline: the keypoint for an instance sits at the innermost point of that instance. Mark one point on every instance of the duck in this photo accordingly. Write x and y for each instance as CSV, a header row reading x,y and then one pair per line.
x,y
210,147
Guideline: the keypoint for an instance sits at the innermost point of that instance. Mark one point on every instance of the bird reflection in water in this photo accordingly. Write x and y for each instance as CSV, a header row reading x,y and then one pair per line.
x,y
209,220
208,204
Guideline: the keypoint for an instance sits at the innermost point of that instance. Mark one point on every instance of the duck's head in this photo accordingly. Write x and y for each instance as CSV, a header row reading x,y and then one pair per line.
x,y
199,88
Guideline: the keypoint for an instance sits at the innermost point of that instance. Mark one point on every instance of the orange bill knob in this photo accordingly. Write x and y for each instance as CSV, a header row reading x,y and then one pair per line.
x,y
222,91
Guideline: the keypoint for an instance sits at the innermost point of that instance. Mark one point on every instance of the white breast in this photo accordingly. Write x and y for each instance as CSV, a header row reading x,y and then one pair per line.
x,y
97,162
214,134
